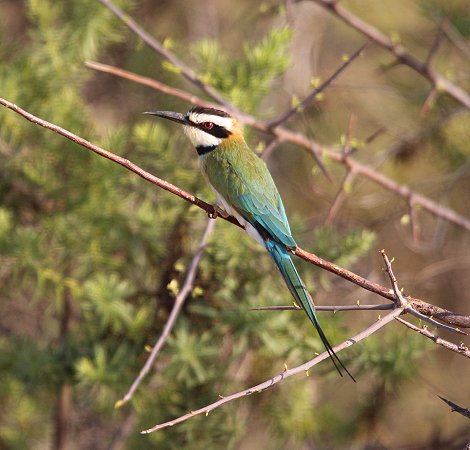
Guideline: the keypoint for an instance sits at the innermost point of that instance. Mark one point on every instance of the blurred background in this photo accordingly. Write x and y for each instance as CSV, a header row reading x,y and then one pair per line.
x,y
91,256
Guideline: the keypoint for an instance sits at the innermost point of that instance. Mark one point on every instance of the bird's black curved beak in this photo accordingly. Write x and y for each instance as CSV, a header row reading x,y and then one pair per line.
x,y
170,115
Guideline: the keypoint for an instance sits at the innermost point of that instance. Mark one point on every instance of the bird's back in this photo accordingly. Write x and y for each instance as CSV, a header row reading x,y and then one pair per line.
x,y
244,181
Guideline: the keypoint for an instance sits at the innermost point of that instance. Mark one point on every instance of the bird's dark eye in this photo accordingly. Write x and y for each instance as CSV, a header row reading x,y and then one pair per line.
x,y
207,125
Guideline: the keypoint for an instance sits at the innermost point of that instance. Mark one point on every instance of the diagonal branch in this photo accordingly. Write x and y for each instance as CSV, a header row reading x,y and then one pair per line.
x,y
282,376
117,159
311,97
150,82
186,289
428,309
314,148
283,134
460,349
333,308
160,49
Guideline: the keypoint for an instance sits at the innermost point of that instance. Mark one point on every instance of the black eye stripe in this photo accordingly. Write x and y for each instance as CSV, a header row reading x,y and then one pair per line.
x,y
216,131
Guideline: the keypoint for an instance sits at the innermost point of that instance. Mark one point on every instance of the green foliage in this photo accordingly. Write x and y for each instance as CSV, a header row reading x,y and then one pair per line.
x,y
91,256
260,64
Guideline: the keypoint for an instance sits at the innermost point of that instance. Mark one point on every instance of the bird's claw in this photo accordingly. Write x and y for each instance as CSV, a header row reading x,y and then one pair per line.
x,y
217,212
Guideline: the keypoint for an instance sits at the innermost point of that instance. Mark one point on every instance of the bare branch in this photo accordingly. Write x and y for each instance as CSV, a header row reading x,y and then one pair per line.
x,y
282,376
434,322
460,349
311,97
117,159
464,411
150,82
268,151
400,53
186,289
436,43
428,309
340,196
160,49
399,299
334,308
459,320
316,150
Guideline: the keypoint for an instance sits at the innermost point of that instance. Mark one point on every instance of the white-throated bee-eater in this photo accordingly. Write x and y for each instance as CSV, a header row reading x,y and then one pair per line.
x,y
245,189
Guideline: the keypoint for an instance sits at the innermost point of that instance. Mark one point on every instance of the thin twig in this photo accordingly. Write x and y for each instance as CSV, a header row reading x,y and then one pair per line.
x,y
186,289
311,97
428,309
400,53
160,48
399,299
350,175
333,308
316,150
435,44
429,102
117,159
268,151
150,82
460,349
430,320
456,408
282,376
340,196
359,307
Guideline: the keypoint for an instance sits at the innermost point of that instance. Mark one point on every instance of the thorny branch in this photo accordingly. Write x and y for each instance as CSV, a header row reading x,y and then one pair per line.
x,y
459,320
446,316
403,303
460,349
283,134
186,289
464,411
381,322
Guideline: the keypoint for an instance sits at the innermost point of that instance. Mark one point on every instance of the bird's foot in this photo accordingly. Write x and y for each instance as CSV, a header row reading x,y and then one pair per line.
x,y
217,212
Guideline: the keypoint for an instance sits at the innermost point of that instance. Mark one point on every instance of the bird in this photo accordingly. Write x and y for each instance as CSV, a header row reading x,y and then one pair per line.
x,y
246,190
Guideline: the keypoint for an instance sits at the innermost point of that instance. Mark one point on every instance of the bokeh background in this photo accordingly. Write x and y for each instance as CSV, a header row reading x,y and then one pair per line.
x,y
91,256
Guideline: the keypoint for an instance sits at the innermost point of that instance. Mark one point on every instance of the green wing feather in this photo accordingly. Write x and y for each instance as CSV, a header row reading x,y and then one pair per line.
x,y
244,181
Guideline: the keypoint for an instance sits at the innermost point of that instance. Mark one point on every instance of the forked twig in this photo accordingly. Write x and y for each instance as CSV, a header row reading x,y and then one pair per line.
x,y
357,307
381,322
460,349
400,53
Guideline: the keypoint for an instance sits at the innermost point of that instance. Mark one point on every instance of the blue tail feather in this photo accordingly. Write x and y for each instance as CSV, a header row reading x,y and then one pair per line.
x,y
292,279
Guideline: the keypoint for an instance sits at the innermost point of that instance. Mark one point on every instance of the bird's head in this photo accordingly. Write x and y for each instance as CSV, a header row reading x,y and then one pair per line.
x,y
206,128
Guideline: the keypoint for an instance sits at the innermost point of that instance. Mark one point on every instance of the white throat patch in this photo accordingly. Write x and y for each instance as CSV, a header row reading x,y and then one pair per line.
x,y
199,137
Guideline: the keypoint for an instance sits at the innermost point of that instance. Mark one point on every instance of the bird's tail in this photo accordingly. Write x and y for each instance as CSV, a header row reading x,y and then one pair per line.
x,y
286,266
